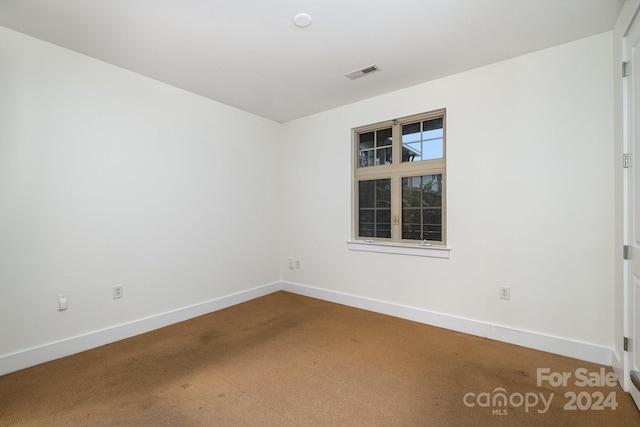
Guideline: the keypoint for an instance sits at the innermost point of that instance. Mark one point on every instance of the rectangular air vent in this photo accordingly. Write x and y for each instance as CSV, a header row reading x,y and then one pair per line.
x,y
362,72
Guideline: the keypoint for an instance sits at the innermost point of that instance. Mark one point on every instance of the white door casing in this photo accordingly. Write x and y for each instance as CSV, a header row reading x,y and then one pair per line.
x,y
631,192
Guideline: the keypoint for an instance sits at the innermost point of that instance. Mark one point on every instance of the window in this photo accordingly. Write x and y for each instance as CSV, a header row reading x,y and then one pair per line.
x,y
399,176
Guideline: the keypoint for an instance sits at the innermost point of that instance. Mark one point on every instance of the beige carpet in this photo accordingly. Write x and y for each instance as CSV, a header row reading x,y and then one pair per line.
x,y
288,360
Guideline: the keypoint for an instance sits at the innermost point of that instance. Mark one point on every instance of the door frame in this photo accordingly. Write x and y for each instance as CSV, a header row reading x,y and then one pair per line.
x,y
623,322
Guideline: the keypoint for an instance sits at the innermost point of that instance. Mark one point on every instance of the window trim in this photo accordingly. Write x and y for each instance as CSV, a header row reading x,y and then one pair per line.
x,y
433,251
396,171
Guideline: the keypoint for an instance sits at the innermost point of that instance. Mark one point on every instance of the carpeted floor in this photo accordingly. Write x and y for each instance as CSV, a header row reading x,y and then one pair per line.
x,y
288,360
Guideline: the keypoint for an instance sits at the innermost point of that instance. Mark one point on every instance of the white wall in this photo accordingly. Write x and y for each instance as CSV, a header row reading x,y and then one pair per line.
x,y
107,177
530,196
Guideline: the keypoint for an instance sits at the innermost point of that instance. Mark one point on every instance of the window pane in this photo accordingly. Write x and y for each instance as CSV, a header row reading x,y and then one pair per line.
x,y
432,135
432,190
411,232
422,207
366,140
411,216
412,152
367,158
411,143
383,137
366,194
374,148
374,208
367,223
411,132
383,156
432,149
432,226
383,231
383,223
383,193
423,140
432,127
366,144
411,187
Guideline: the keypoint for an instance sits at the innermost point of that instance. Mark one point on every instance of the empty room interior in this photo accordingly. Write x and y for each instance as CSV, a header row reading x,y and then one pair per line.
x,y
313,213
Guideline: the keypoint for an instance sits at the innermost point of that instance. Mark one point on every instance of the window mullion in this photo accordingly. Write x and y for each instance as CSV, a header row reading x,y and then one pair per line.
x,y
396,207
396,185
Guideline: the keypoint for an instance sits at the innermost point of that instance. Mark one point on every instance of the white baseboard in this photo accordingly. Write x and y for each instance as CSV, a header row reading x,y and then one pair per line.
x,y
48,352
562,346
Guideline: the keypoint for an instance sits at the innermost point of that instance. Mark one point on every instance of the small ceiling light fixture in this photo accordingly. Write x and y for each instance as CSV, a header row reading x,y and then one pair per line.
x,y
302,20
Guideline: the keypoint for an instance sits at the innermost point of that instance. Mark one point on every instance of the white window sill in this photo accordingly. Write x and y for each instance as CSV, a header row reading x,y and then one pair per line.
x,y
400,248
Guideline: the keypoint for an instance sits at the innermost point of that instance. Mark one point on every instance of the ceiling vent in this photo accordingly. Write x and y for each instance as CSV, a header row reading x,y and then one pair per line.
x,y
363,72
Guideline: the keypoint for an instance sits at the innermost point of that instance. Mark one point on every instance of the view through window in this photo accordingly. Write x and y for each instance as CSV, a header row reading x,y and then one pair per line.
x,y
399,180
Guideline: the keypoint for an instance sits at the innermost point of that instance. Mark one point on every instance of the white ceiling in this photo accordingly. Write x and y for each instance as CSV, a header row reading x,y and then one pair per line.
x,y
248,54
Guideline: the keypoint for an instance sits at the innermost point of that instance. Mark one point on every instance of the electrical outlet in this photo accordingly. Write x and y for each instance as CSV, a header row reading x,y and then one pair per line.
x,y
505,292
291,262
297,263
117,292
